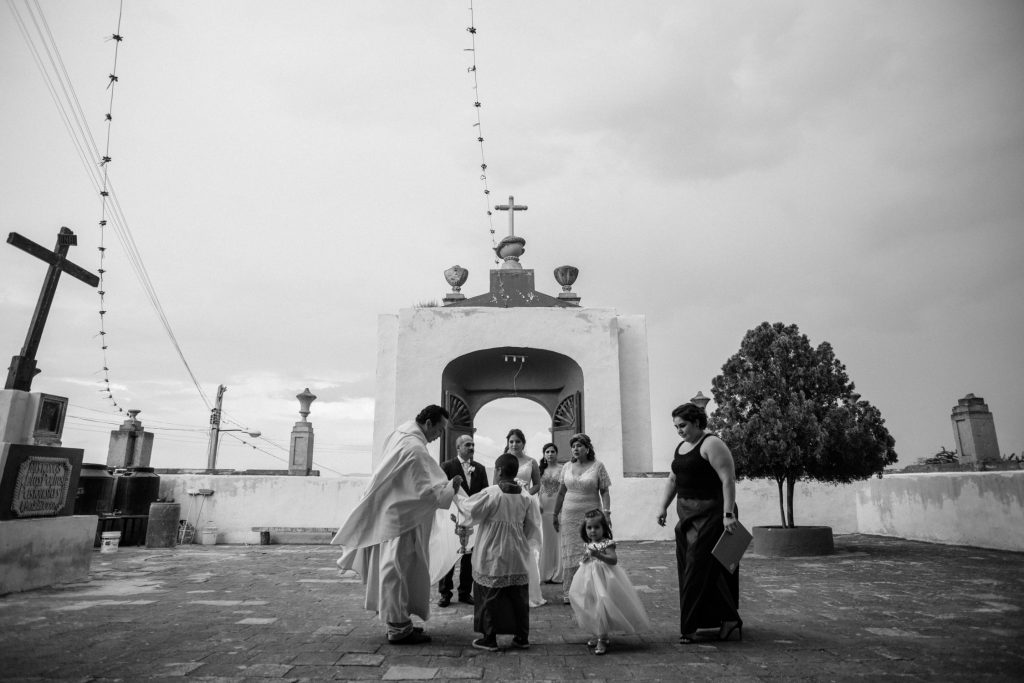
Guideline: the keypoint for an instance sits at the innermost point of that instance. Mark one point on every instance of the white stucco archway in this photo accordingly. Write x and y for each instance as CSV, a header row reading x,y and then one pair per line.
x,y
551,379
417,345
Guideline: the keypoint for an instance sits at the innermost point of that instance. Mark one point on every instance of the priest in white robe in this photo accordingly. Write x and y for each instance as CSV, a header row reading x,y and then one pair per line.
x,y
386,538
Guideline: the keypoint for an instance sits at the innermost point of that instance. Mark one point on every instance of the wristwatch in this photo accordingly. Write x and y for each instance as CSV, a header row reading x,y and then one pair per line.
x,y
727,515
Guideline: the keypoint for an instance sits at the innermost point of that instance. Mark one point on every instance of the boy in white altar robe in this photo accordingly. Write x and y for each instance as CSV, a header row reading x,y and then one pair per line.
x,y
506,523
386,538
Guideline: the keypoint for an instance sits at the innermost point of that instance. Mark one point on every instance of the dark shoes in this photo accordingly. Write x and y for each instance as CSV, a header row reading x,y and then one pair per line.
x,y
447,600
728,627
521,644
484,644
414,638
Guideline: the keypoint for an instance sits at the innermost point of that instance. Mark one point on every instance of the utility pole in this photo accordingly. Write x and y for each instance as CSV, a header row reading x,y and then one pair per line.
x,y
211,454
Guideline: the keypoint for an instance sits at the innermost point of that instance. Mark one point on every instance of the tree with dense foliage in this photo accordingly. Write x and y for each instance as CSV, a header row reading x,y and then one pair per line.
x,y
789,412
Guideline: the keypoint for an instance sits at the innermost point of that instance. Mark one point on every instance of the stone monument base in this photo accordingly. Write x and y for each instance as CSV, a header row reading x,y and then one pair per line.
x,y
46,551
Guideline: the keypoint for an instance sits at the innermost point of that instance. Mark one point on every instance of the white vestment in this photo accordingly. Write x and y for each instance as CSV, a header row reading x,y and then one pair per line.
x,y
507,531
386,538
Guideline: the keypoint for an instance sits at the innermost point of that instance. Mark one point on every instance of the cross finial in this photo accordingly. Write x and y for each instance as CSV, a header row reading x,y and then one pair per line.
x,y
511,207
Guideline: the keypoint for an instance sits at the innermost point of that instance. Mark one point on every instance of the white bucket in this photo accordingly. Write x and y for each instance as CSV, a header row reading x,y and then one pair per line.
x,y
109,541
209,535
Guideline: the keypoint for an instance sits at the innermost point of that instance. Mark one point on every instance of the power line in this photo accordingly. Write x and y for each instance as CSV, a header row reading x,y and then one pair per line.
x,y
75,121
97,167
229,420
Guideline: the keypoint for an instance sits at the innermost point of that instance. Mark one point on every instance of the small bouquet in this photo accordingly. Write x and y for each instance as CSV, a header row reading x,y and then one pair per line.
x,y
596,546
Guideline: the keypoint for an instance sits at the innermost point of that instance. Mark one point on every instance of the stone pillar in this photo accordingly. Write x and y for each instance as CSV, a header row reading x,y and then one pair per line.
x,y
130,445
300,449
974,431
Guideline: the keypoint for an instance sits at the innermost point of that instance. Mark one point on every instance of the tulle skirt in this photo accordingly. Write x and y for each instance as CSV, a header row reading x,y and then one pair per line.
x,y
604,600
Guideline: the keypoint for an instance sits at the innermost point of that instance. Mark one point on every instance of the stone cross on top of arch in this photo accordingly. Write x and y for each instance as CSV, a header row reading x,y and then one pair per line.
x,y
511,247
511,207
23,366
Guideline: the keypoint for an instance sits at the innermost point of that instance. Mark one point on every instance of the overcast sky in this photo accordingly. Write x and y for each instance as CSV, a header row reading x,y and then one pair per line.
x,y
291,170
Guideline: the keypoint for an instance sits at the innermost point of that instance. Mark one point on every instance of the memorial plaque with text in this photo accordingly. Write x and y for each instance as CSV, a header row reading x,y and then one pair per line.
x,y
38,481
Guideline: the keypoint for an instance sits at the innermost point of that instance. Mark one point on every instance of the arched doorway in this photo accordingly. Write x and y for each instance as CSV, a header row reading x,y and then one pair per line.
x,y
552,380
494,419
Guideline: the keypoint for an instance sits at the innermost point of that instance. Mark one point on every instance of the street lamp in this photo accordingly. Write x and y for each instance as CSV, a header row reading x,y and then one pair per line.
x,y
216,431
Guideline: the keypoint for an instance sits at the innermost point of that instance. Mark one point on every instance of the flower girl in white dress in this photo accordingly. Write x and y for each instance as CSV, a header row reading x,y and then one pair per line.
x,y
602,596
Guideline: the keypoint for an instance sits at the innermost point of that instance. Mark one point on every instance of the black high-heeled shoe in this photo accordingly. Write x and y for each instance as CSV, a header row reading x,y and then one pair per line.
x,y
728,627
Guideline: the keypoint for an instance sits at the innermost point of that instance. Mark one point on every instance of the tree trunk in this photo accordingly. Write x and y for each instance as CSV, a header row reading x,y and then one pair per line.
x,y
790,485
782,509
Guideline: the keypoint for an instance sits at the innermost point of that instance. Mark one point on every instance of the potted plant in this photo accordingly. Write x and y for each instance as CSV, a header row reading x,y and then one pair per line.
x,y
789,412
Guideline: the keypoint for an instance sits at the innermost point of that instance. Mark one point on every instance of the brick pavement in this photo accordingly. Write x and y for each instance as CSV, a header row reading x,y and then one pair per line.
x,y
880,608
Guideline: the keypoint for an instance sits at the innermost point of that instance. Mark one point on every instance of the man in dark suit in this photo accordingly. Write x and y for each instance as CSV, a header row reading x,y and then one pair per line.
x,y
474,480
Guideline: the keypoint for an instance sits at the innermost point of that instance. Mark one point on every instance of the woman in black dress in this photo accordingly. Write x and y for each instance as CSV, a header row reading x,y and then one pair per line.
x,y
703,482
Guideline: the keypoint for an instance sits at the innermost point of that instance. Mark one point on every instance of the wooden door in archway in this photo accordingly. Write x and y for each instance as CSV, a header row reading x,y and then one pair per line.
x,y
460,423
567,420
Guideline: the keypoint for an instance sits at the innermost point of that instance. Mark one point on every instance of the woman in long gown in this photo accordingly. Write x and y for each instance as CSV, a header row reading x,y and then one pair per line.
x,y
528,477
703,482
584,487
550,481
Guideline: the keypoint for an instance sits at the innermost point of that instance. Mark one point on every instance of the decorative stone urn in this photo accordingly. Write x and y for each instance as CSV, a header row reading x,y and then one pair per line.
x,y
456,276
306,399
509,250
566,277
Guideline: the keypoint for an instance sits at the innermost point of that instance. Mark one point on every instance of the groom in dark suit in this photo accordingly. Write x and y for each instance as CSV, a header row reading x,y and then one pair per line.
x,y
474,480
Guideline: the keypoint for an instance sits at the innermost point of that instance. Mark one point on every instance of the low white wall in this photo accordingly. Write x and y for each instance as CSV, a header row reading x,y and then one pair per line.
x,y
636,504
814,504
240,502
981,509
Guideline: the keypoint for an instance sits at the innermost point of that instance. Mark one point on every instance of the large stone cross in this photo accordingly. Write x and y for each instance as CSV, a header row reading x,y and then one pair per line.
x,y
511,207
23,367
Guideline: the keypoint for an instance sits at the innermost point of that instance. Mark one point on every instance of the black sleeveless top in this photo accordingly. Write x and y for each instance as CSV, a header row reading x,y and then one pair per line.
x,y
695,477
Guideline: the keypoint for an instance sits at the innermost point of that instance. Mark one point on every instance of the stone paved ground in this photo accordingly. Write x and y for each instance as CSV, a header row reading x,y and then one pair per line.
x,y
880,608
